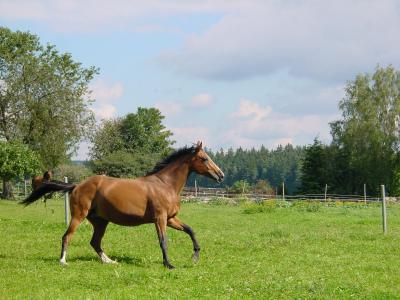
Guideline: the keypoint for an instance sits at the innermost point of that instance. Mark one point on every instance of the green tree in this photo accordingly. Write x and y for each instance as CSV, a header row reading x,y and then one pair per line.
x,y
130,146
124,164
16,161
144,132
369,129
106,139
44,97
314,171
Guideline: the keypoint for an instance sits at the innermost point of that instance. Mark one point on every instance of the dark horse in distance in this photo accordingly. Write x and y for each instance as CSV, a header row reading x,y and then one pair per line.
x,y
154,198
38,180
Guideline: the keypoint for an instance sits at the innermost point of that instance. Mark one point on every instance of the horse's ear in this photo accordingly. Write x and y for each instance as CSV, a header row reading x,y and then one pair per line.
x,y
199,146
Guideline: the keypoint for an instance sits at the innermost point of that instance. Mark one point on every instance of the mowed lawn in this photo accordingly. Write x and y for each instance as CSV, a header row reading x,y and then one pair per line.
x,y
280,253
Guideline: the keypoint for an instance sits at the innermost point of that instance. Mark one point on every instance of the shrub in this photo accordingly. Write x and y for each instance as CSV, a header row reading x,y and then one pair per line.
x,y
307,205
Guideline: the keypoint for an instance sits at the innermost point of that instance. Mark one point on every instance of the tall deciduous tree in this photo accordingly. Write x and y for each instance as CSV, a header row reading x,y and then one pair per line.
x,y
129,146
44,96
369,130
16,160
143,131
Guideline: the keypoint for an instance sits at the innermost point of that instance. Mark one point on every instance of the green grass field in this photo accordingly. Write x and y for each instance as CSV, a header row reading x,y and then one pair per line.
x,y
303,251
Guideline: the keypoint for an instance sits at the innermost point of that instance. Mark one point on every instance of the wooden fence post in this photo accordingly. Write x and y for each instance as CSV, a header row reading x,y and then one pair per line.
x,y
384,220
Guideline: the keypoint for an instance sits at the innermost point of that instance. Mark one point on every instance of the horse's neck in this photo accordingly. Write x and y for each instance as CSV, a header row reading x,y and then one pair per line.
x,y
175,175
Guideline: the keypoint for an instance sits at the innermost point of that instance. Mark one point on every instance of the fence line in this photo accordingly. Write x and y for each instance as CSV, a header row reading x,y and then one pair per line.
x,y
23,189
207,193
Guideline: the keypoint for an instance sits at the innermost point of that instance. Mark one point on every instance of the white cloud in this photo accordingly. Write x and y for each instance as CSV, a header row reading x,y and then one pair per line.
x,y
254,125
105,92
328,40
191,134
252,110
201,101
174,108
104,111
169,108
95,16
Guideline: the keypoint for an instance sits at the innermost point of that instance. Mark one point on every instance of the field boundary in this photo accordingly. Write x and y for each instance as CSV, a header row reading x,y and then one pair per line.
x,y
207,194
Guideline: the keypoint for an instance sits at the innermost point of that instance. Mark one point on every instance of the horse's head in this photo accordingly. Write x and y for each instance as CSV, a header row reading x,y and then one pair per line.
x,y
202,164
48,175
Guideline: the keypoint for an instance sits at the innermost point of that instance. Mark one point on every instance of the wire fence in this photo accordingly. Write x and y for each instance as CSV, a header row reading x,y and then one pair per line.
x,y
24,188
207,194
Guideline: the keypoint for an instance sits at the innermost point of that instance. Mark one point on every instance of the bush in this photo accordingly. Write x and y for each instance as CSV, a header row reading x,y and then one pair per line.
x,y
266,206
240,187
307,205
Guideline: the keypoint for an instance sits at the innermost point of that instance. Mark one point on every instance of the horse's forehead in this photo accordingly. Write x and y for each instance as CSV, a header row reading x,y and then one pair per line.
x,y
202,153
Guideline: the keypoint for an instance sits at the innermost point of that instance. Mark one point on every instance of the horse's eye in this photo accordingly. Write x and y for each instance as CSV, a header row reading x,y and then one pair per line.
x,y
204,159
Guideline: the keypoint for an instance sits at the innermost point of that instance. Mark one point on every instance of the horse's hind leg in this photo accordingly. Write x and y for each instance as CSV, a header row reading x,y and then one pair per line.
x,y
78,214
73,226
99,228
179,225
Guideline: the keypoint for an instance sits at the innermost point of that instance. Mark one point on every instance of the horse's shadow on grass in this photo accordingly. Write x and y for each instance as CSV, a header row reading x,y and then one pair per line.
x,y
92,258
120,259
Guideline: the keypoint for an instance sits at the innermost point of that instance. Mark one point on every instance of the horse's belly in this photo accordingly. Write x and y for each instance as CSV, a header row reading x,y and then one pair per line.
x,y
127,213
128,220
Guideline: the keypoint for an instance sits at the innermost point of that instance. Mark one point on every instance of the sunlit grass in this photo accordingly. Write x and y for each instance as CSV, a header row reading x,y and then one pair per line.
x,y
279,251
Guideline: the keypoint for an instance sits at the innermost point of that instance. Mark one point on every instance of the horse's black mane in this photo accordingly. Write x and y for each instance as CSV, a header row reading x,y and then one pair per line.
x,y
170,158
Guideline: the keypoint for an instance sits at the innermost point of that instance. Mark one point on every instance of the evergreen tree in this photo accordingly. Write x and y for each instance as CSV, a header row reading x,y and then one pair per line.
x,y
314,170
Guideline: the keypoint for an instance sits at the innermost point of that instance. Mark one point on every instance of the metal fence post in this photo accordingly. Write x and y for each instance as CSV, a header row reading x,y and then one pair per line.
x,y
66,203
384,220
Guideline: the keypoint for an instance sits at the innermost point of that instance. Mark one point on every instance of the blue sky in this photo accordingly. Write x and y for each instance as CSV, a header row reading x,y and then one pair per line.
x,y
230,73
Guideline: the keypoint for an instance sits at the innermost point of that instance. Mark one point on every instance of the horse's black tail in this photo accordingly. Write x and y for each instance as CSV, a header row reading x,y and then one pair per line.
x,y
48,187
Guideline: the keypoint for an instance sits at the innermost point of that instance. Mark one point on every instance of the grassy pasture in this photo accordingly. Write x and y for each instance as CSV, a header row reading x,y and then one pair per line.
x,y
301,251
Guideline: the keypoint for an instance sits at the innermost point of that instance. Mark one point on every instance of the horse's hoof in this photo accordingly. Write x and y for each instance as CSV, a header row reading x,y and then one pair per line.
x,y
169,266
195,257
112,262
106,260
63,263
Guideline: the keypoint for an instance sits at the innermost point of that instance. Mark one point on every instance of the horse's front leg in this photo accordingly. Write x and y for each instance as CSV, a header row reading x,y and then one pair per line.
x,y
179,225
161,227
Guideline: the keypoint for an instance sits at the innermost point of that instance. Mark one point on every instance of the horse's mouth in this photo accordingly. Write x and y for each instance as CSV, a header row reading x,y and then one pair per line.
x,y
217,177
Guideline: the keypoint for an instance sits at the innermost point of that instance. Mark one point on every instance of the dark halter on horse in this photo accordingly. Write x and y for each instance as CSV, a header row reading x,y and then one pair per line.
x,y
154,198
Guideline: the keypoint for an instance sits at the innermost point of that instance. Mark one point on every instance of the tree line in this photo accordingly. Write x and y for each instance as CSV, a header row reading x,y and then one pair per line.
x,y
254,166
45,112
365,141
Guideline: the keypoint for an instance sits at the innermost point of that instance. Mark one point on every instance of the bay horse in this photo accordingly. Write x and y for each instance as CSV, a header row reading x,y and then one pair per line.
x,y
154,198
38,180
